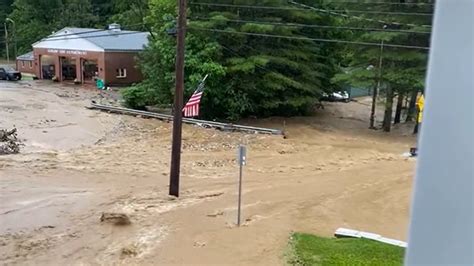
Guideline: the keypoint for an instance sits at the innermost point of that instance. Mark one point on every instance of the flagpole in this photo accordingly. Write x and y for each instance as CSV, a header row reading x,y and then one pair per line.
x,y
178,102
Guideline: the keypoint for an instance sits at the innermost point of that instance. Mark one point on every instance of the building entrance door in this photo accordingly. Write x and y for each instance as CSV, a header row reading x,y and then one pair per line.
x,y
48,68
68,67
90,70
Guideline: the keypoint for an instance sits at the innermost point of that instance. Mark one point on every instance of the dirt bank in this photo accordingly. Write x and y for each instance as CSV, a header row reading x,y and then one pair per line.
x,y
330,172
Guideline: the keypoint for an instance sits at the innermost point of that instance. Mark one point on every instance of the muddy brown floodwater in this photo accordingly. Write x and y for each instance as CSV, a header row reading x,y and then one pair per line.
x,y
77,163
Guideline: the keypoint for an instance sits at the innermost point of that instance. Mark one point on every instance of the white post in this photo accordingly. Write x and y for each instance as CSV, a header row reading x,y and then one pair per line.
x,y
242,160
441,230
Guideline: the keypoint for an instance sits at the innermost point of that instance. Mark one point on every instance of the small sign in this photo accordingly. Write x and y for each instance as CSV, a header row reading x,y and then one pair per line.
x,y
242,155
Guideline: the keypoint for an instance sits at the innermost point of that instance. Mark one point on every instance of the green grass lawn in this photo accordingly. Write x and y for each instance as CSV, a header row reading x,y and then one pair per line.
x,y
313,250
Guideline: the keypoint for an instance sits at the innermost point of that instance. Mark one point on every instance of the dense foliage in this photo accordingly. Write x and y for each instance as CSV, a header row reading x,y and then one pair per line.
x,y
5,10
403,70
36,19
252,73
249,75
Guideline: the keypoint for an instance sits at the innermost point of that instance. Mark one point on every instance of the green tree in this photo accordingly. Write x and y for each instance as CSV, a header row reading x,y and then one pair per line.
x,y
131,13
34,19
5,9
103,10
77,13
265,75
249,74
403,70
158,60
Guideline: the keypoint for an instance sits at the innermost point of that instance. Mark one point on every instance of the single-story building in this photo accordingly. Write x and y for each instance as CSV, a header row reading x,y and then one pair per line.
x,y
25,63
80,55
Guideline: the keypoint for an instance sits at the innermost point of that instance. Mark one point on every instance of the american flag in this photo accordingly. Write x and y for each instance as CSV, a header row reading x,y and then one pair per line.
x,y
191,109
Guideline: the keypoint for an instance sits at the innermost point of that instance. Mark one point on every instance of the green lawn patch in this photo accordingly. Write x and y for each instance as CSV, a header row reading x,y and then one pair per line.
x,y
313,250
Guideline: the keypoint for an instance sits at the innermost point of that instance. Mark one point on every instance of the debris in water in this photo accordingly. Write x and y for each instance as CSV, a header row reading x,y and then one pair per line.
x,y
9,143
215,214
199,244
130,251
211,195
115,218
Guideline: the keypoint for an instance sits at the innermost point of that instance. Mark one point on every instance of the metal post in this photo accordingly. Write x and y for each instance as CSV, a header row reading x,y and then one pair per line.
x,y
178,101
377,88
6,42
240,195
242,160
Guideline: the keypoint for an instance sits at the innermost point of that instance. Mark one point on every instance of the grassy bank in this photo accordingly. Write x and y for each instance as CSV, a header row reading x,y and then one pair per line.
x,y
313,250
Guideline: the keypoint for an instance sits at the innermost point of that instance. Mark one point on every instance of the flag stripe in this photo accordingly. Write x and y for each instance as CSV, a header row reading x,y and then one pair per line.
x,y
191,109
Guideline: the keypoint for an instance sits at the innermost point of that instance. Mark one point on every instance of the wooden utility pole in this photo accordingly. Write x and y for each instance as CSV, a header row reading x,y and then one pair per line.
x,y
6,42
376,89
178,101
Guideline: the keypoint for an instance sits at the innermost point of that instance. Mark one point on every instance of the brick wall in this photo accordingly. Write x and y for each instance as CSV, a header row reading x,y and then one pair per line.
x,y
25,66
121,60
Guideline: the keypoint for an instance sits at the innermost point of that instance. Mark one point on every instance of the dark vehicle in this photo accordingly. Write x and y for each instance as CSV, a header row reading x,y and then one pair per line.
x,y
9,73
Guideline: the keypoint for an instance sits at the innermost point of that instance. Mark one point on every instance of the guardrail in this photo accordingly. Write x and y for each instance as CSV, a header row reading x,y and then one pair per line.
x,y
202,123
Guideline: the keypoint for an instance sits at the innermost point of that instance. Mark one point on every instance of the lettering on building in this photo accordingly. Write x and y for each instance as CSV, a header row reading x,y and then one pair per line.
x,y
66,52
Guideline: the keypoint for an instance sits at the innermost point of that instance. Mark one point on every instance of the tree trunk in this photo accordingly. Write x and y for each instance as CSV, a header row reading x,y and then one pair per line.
x,y
398,111
387,118
412,106
372,110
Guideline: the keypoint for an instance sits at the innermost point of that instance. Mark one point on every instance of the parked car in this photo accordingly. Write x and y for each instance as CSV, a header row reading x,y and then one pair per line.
x,y
339,96
9,73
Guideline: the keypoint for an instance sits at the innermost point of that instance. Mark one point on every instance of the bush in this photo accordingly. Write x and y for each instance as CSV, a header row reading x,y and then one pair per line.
x,y
138,97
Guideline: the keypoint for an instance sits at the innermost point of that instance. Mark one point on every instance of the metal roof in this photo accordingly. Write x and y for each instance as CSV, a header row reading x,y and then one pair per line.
x,y
28,56
108,40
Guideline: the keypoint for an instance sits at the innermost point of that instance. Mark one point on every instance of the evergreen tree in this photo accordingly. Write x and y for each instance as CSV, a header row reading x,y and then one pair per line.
x,y
5,9
131,13
403,70
34,19
265,75
249,75
77,13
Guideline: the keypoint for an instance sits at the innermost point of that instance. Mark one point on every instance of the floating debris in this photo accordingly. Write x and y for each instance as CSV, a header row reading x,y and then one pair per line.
x,y
9,142
115,218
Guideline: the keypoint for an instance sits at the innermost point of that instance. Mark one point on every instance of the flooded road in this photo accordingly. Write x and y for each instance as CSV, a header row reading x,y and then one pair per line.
x,y
51,117
77,163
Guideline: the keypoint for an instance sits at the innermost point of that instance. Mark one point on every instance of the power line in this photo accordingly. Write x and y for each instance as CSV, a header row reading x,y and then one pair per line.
x,y
95,36
89,31
61,37
356,17
304,9
311,39
381,3
318,26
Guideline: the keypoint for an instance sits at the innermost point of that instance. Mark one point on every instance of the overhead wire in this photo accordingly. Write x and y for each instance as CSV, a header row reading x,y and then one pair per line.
x,y
381,3
318,26
78,34
235,53
95,36
90,31
305,9
310,39
356,17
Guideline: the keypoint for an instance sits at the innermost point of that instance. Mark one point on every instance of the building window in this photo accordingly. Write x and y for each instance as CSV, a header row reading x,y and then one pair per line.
x,y
22,63
31,64
121,73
